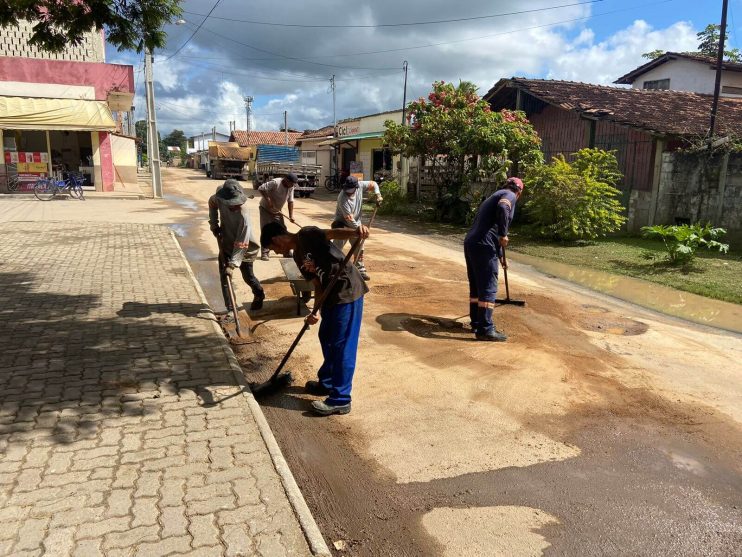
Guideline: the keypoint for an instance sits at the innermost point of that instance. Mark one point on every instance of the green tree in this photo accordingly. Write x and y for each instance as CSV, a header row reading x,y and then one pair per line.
x,y
578,200
455,131
175,138
129,24
140,126
708,44
653,55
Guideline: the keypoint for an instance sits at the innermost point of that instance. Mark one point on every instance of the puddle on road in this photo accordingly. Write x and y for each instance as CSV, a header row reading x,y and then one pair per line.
x,y
685,305
182,201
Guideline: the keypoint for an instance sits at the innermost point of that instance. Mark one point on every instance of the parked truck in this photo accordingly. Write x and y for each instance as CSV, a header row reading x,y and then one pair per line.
x,y
272,161
228,160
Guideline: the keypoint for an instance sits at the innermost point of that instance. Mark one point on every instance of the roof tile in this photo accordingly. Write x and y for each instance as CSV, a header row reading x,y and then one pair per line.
x,y
263,138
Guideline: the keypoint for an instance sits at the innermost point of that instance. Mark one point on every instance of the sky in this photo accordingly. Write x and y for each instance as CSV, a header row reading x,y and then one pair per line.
x,y
284,53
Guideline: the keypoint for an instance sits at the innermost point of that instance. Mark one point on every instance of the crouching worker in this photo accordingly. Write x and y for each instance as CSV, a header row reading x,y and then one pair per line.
x,y
319,260
482,248
229,220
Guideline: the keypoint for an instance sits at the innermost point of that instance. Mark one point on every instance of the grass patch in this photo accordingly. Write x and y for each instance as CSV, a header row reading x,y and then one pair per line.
x,y
710,274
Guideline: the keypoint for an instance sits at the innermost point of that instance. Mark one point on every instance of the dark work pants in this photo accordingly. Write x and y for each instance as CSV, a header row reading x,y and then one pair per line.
x,y
482,271
338,335
247,275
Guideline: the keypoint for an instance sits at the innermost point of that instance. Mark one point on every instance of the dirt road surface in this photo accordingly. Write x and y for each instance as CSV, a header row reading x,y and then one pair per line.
x,y
598,428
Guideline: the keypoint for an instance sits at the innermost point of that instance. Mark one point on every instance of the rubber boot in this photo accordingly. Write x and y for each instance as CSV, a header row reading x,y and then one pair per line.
x,y
486,330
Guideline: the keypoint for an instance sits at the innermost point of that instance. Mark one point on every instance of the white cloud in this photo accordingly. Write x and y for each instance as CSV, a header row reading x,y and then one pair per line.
x,y
220,71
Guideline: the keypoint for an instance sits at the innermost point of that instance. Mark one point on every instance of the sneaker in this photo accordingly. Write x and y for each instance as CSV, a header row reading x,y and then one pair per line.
x,y
316,388
492,336
228,317
323,409
264,257
364,274
257,302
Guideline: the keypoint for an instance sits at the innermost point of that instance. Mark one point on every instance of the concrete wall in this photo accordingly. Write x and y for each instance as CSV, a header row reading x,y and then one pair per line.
x,y
14,41
701,189
688,75
124,154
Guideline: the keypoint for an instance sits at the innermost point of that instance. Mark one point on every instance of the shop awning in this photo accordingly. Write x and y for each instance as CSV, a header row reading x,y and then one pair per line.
x,y
354,137
23,113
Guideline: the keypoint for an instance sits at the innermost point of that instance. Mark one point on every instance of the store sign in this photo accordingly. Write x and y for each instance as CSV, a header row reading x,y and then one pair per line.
x,y
12,157
349,128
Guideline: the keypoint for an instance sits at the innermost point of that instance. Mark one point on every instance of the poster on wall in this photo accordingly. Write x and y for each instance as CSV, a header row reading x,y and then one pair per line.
x,y
356,167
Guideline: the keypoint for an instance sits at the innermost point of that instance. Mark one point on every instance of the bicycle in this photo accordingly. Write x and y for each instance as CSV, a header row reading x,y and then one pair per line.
x,y
12,183
332,183
46,189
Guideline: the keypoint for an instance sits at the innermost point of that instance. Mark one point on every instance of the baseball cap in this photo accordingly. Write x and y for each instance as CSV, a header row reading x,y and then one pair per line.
x,y
351,183
515,182
293,178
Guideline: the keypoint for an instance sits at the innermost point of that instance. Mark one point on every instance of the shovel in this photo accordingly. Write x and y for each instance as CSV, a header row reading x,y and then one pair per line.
x,y
278,381
370,224
240,338
507,299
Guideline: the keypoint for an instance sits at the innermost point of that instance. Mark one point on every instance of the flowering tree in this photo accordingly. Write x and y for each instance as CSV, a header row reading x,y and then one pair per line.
x,y
455,131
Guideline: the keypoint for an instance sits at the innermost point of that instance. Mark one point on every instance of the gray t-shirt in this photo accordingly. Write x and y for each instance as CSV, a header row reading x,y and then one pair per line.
x,y
278,194
238,240
351,205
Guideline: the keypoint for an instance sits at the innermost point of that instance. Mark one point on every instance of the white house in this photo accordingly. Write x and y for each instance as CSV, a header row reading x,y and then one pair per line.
x,y
200,142
690,72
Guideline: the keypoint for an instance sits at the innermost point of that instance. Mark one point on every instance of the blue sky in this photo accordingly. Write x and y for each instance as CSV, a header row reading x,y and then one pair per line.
x,y
289,68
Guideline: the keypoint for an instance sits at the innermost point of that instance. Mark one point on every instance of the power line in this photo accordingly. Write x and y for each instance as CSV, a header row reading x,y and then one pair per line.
x,y
409,24
197,28
431,45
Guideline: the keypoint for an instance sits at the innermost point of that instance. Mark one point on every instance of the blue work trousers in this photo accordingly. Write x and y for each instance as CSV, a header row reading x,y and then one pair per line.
x,y
482,271
338,334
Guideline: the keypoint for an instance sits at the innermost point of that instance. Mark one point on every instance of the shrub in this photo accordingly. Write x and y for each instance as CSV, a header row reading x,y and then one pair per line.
x,y
578,200
682,241
395,200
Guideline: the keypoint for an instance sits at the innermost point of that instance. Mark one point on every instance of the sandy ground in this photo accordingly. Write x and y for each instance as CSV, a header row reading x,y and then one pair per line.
x,y
599,427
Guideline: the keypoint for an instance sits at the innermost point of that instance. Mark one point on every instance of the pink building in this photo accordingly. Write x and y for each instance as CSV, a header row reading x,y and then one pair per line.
x,y
66,111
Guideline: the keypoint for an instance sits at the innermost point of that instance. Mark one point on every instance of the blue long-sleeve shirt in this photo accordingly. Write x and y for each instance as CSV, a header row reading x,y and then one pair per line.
x,y
492,220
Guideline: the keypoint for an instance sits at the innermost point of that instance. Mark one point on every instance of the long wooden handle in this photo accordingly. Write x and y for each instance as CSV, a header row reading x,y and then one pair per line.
x,y
505,270
370,224
235,313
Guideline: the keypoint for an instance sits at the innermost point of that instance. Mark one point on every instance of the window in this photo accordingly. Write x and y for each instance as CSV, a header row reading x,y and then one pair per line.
x,y
729,90
309,157
657,84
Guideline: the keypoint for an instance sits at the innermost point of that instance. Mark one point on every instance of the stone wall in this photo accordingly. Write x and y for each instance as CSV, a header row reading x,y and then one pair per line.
x,y
699,188
14,43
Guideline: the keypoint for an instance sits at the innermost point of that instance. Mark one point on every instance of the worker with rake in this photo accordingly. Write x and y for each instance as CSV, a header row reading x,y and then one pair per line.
x,y
348,211
320,261
275,194
482,248
229,220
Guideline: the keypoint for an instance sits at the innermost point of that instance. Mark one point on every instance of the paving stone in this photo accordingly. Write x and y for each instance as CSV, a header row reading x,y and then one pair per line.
x,y
91,463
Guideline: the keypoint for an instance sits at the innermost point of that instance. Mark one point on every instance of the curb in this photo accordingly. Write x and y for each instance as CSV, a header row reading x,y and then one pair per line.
x,y
113,196
308,525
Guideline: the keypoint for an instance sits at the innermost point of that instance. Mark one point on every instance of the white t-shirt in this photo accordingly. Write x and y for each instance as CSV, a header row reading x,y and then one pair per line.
x,y
277,193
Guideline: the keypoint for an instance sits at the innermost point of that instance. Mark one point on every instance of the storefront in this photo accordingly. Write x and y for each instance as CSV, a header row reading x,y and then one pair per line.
x,y
43,137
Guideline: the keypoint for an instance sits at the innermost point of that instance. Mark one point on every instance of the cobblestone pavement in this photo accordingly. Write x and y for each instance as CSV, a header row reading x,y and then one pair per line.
x,y
122,428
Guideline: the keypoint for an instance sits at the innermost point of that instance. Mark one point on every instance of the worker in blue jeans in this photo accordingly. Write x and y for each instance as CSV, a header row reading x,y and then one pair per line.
x,y
319,260
482,248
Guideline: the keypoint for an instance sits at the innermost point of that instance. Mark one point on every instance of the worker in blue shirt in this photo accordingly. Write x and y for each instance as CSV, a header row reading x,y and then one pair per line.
x,y
482,248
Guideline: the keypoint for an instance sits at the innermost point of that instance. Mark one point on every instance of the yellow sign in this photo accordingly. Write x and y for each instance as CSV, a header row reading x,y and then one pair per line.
x,y
32,167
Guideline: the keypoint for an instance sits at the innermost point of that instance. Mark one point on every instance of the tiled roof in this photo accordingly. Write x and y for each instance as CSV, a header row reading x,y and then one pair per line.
x,y
630,77
664,112
327,131
263,138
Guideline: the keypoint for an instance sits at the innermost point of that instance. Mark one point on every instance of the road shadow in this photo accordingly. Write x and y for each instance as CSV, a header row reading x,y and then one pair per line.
x,y
425,326
69,361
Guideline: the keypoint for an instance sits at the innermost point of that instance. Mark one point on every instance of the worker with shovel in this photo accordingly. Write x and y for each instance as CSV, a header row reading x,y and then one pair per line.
x,y
229,220
320,261
482,247
275,194
348,212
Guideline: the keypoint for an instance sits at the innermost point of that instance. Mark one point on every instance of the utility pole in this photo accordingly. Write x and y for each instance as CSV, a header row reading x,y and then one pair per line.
x,y
153,143
404,95
248,110
286,127
334,164
213,133
719,62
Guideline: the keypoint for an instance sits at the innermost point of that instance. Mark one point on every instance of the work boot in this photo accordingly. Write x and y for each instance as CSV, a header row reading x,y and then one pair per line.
x,y
492,336
316,388
323,409
228,317
257,301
